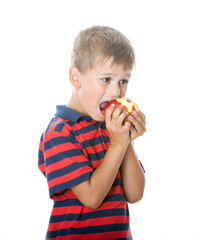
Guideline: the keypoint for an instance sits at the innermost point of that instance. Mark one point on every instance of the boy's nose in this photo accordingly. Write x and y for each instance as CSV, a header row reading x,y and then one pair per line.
x,y
115,91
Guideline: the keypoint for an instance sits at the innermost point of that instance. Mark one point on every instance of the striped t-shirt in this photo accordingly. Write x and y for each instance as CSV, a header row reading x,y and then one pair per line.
x,y
71,148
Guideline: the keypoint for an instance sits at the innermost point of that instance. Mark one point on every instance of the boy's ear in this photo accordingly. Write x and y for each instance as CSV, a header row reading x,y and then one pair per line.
x,y
74,76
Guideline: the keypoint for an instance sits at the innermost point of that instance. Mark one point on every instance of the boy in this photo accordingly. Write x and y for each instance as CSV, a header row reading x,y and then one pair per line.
x,y
86,155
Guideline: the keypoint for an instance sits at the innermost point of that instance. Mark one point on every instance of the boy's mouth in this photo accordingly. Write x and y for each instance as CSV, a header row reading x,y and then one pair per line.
x,y
103,106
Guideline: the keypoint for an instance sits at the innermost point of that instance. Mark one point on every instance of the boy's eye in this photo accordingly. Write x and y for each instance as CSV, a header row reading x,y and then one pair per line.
x,y
124,81
106,79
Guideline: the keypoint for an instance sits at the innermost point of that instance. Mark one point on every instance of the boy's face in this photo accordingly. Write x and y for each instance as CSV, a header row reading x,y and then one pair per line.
x,y
99,86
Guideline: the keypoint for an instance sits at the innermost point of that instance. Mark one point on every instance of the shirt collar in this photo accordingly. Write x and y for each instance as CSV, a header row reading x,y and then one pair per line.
x,y
67,113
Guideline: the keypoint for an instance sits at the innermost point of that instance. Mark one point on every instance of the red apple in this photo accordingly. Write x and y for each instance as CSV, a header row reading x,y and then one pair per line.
x,y
127,104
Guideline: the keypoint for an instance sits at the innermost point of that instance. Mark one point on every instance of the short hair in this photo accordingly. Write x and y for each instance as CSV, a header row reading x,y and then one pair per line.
x,y
96,44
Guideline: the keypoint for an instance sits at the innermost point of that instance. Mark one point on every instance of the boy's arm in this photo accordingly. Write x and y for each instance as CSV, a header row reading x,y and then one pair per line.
x,y
92,192
132,174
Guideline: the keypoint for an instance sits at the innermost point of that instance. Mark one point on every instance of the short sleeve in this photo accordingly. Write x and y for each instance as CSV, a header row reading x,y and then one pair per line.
x,y
65,164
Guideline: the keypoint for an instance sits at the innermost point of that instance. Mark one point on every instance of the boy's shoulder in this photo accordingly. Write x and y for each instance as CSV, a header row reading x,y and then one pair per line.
x,y
67,120
58,125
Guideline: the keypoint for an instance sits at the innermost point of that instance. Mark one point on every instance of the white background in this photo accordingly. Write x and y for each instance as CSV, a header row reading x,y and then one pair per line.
x,y
35,45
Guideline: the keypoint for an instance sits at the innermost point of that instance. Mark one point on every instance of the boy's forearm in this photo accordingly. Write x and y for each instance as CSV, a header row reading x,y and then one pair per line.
x,y
91,193
133,180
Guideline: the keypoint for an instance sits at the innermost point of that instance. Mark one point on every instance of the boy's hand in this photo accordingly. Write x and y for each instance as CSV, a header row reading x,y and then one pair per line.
x,y
138,126
118,133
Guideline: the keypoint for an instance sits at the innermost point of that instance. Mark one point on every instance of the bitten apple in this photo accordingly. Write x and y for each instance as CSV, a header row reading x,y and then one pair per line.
x,y
127,104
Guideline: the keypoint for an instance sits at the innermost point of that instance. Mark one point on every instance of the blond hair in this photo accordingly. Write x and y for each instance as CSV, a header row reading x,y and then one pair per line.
x,y
96,44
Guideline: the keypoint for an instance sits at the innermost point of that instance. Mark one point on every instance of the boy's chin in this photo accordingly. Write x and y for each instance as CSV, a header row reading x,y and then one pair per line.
x,y
99,118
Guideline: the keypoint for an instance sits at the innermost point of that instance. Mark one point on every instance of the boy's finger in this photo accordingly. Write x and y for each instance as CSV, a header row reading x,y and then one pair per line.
x,y
117,112
121,118
142,115
138,123
109,112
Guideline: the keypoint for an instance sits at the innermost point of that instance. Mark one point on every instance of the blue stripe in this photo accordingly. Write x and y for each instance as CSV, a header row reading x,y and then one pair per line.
x,y
59,126
69,184
96,156
54,119
87,129
67,203
115,197
89,230
75,202
142,166
60,156
117,182
41,139
94,141
56,141
90,215
66,170
41,158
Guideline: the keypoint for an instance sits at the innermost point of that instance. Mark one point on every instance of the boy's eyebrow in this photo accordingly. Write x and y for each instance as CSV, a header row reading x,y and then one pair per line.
x,y
113,74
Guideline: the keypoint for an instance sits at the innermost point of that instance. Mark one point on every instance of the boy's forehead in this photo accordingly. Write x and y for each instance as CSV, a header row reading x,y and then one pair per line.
x,y
106,67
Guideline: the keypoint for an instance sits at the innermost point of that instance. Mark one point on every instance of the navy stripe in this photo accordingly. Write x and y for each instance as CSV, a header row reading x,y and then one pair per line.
x,y
96,156
67,203
66,170
88,129
76,202
142,166
94,141
115,197
60,156
69,184
90,215
41,158
56,141
41,139
117,182
54,119
89,230
59,126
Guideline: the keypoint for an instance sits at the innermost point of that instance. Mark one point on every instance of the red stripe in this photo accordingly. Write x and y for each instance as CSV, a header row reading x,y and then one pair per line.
x,y
89,222
61,148
96,163
53,125
42,168
87,136
95,236
41,146
82,124
78,209
64,163
50,135
94,149
115,190
69,176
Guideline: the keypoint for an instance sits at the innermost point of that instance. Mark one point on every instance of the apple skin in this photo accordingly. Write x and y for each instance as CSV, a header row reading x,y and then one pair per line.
x,y
125,109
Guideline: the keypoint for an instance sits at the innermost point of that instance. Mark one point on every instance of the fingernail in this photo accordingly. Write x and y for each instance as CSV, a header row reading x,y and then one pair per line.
x,y
134,113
